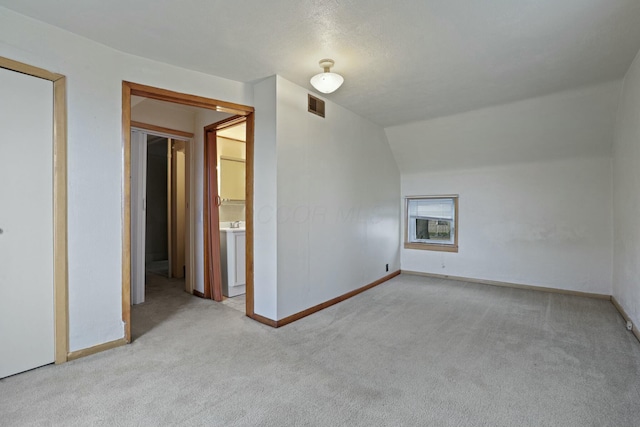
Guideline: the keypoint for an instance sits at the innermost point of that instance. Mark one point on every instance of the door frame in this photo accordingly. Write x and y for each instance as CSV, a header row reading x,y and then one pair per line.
x,y
129,89
211,237
188,139
60,251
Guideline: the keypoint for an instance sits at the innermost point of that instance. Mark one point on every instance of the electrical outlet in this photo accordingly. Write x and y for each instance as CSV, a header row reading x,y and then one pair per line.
x,y
387,267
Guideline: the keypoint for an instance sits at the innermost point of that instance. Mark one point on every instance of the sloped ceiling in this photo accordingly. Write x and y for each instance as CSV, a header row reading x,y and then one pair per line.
x,y
402,61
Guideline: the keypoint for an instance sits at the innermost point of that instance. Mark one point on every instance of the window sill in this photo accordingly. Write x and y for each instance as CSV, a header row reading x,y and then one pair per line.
x,y
428,247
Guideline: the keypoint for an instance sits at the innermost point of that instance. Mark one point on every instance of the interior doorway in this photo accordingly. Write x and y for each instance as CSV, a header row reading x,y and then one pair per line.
x,y
225,187
133,89
161,220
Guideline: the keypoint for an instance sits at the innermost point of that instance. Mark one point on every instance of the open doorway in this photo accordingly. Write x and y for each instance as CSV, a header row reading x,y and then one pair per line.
x,y
161,221
198,205
157,207
161,214
225,234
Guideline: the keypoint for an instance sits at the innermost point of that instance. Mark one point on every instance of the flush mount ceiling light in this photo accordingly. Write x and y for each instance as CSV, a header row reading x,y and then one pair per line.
x,y
327,82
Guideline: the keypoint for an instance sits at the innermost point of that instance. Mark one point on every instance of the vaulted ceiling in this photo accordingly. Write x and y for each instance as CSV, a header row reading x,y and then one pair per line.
x,y
402,61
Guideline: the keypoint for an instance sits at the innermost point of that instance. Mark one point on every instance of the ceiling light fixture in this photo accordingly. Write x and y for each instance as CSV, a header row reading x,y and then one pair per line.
x,y
327,82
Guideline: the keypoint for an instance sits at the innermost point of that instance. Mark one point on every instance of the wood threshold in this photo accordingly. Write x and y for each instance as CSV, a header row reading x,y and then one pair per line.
x,y
321,306
509,285
626,317
96,349
154,128
198,294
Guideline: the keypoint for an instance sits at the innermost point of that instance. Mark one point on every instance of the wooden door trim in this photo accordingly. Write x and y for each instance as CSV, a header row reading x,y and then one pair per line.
x,y
186,99
226,123
61,269
128,89
211,215
249,171
154,128
60,252
126,211
30,70
249,119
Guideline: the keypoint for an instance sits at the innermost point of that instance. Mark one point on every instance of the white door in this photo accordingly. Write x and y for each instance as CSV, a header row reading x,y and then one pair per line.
x,y
138,213
26,221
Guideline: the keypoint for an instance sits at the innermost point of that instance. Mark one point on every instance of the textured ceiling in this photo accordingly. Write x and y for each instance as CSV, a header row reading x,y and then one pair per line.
x,y
402,61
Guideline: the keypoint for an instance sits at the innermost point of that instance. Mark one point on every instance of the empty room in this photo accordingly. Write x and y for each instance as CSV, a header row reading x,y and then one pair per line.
x,y
321,213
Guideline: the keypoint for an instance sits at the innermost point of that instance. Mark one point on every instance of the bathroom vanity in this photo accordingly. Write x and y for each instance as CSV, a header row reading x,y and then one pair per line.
x,y
232,257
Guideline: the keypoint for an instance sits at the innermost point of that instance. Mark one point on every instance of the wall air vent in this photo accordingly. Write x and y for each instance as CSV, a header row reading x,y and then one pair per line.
x,y
316,105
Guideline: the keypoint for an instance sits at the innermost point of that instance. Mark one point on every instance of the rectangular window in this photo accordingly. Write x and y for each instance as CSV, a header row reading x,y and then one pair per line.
x,y
432,223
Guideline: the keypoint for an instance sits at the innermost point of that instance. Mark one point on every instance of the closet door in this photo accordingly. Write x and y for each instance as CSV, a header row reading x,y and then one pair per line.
x,y
26,223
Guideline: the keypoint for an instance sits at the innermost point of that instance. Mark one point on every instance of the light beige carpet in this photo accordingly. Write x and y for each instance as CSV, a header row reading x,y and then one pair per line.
x,y
410,352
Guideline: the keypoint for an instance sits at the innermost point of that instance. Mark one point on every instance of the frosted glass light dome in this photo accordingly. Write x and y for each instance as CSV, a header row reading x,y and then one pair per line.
x,y
327,82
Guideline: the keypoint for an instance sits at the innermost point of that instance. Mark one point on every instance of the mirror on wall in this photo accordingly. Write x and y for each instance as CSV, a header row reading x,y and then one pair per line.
x,y
232,179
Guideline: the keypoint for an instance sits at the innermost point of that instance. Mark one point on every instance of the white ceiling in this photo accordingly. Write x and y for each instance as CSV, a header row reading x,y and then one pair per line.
x,y
402,61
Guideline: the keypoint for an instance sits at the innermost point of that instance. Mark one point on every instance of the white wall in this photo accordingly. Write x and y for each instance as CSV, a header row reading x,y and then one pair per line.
x,y
543,224
626,198
265,263
94,90
534,180
338,211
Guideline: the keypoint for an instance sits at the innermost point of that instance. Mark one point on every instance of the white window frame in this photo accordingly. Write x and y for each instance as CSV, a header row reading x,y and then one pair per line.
x,y
410,240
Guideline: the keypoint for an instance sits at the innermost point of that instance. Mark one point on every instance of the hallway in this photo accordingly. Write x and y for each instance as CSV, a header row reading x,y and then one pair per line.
x,y
166,298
